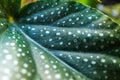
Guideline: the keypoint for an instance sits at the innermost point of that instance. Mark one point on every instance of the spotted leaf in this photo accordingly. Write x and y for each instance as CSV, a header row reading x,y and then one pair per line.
x,y
51,68
93,32
76,39
16,60
96,66
57,41
19,51
82,37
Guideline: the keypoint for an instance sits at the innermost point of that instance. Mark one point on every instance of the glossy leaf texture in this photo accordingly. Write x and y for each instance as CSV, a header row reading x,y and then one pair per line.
x,y
16,60
50,67
94,65
79,42
23,59
82,37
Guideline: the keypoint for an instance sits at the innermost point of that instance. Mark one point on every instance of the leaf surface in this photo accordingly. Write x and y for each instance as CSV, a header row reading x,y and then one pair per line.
x,y
51,68
57,41
82,37
16,58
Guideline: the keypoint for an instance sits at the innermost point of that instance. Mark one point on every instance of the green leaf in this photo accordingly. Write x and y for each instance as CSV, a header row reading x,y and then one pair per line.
x,y
57,41
16,56
76,39
51,68
72,31
94,65
41,15
20,52
10,7
84,32
35,7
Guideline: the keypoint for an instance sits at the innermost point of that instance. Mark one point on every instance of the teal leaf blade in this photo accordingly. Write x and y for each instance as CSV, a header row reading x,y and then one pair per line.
x,y
82,37
68,14
16,61
51,14
99,67
96,66
51,68
35,7
74,39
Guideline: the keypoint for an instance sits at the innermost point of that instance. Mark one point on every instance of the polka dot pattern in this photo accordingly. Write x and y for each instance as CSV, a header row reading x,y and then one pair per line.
x,y
37,6
75,39
82,37
81,43
16,61
51,68
95,66
65,15
52,14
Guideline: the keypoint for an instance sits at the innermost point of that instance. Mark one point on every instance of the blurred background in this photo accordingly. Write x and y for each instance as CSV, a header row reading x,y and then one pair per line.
x,y
109,7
